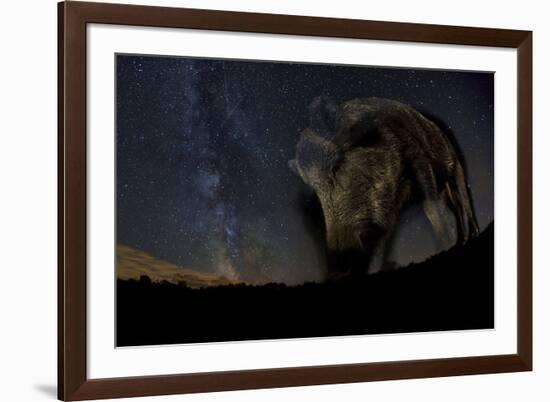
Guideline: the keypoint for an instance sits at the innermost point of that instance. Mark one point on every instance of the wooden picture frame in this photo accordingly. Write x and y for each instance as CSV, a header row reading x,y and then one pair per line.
x,y
73,382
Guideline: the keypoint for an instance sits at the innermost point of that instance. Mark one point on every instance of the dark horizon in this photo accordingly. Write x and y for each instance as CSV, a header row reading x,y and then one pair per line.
x,y
145,309
203,146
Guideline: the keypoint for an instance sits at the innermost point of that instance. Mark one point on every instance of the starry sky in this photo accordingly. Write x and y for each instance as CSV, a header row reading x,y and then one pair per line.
x,y
203,147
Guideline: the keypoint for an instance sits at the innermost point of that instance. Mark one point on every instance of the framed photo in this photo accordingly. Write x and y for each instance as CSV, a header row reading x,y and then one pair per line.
x,y
252,200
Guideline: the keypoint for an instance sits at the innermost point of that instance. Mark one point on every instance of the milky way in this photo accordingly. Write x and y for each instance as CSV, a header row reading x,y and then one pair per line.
x,y
203,148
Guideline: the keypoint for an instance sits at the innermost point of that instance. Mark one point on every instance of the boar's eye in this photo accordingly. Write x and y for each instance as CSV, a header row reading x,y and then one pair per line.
x,y
336,164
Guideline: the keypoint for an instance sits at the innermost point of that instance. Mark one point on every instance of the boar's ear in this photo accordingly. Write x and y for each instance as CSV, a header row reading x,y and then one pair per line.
x,y
293,166
323,112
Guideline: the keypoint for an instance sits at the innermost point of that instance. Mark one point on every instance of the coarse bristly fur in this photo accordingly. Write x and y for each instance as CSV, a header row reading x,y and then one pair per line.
x,y
367,160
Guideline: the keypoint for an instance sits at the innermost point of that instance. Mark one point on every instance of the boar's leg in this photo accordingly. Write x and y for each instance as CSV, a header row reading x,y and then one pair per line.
x,y
436,215
455,207
465,201
432,204
460,203
372,238
379,255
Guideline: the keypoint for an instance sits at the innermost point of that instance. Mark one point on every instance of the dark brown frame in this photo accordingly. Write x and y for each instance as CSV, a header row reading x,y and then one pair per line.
x,y
73,383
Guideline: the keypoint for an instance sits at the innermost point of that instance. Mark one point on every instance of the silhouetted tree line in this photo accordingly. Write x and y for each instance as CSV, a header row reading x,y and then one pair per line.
x,y
450,291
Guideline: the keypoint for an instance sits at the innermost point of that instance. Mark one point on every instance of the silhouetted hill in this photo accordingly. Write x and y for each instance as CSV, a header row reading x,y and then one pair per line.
x,y
132,264
450,291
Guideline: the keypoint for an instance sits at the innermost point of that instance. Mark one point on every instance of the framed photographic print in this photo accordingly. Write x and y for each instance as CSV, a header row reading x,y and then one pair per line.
x,y
252,200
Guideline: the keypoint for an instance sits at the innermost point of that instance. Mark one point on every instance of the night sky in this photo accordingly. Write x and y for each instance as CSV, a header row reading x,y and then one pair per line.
x,y
203,147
